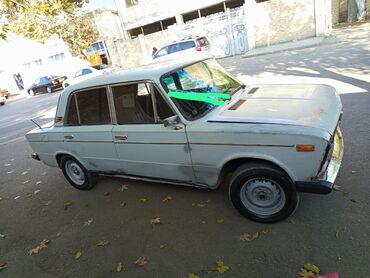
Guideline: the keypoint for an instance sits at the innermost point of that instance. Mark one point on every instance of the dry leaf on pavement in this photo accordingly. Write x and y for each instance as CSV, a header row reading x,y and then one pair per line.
x,y
3,266
245,237
220,267
119,267
88,222
141,261
192,275
220,221
156,220
167,199
67,204
143,200
123,188
309,271
200,205
103,243
337,187
78,254
43,244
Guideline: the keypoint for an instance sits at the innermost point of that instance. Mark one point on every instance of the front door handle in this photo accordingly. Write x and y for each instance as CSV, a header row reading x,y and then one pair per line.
x,y
68,136
121,137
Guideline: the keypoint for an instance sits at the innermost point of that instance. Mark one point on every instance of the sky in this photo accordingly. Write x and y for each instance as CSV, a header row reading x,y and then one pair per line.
x,y
108,4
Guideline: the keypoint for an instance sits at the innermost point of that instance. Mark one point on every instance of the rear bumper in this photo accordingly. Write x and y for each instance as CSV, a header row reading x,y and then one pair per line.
x,y
324,182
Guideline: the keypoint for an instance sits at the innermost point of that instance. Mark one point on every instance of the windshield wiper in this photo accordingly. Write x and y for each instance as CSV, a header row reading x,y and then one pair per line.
x,y
242,86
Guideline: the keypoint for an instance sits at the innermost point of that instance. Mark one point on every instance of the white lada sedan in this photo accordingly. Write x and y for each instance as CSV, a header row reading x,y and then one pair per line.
x,y
193,123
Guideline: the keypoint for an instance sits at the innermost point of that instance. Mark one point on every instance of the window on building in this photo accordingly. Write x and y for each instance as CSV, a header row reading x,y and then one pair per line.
x,y
89,108
130,3
38,62
219,8
152,28
190,16
135,32
232,4
57,57
168,22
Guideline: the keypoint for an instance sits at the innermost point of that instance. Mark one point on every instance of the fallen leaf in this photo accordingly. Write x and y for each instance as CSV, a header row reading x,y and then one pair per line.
x,y
167,199
88,222
192,275
265,231
200,205
78,254
3,266
67,204
143,200
123,204
291,221
255,235
141,261
119,267
43,244
38,182
162,246
123,188
103,243
36,191
107,193
220,267
337,187
245,237
304,273
155,220
220,221
16,197
311,267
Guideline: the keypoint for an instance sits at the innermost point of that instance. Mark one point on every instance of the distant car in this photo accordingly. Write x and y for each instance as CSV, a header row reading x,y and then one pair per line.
x,y
2,100
190,47
4,93
46,84
86,73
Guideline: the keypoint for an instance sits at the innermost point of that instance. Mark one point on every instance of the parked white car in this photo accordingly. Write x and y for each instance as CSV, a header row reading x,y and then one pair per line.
x,y
85,73
2,100
191,47
192,123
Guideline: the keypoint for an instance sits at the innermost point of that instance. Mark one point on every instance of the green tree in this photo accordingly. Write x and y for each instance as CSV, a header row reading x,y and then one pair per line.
x,y
42,19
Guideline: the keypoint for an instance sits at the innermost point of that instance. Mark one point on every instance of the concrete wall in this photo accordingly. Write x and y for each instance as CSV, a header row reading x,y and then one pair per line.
x,y
368,9
335,11
278,21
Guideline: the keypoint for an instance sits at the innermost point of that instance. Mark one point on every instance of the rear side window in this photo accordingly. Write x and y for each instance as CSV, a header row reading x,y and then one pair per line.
x,y
186,45
203,42
89,108
173,48
86,71
161,52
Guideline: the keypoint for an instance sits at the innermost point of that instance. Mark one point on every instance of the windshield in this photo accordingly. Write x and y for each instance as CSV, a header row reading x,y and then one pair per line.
x,y
198,88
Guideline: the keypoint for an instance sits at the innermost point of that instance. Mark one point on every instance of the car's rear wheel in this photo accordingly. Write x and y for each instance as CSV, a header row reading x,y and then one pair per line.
x,y
49,90
77,175
263,192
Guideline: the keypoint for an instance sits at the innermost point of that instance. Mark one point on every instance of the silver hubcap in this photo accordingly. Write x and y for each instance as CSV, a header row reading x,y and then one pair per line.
x,y
48,90
75,172
262,196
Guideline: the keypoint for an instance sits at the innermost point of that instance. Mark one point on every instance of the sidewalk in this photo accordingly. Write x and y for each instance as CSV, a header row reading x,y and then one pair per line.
x,y
285,46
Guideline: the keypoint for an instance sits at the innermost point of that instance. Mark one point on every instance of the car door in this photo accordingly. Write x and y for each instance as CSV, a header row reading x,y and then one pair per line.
x,y
144,145
87,130
36,86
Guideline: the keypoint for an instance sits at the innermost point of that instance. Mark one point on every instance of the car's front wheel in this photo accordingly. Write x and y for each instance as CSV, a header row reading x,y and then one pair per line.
x,y
263,192
76,174
31,92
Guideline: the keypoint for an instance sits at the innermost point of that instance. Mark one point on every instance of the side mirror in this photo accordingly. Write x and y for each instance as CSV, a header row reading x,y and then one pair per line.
x,y
173,120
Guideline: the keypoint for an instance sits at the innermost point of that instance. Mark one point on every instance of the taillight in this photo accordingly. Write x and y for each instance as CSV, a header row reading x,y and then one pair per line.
x,y
54,81
197,46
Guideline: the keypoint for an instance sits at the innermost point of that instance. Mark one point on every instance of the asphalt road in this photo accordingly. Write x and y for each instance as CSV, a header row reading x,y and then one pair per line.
x,y
198,227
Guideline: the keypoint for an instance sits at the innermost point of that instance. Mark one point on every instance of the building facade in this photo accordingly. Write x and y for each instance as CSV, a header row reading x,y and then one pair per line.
x,y
233,27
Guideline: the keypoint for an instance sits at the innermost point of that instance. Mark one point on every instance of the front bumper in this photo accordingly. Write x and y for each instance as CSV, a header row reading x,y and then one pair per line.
x,y
324,182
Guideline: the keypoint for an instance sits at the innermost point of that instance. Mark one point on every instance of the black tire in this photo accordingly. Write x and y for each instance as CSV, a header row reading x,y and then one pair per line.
x,y
86,183
31,92
262,192
48,90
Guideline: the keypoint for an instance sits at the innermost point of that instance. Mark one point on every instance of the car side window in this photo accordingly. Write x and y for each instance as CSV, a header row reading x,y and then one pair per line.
x,y
89,107
37,81
173,48
86,71
133,104
186,45
44,80
161,52
77,74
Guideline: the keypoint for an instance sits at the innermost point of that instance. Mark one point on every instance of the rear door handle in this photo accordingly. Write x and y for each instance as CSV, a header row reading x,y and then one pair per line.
x,y
121,137
69,136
